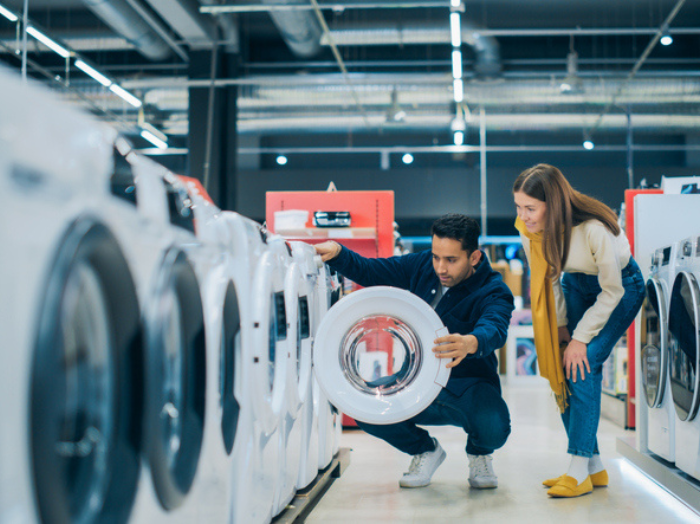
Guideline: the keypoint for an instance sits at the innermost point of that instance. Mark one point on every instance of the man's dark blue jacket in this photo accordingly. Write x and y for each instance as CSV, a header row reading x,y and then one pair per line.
x,y
480,305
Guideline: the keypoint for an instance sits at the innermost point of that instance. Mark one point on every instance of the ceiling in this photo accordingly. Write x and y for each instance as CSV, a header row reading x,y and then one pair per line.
x,y
387,57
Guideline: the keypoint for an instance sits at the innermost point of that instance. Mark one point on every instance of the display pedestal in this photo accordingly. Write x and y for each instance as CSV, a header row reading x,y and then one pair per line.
x,y
663,473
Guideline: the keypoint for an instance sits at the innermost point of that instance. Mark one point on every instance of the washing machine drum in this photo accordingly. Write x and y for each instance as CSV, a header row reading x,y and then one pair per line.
x,y
654,344
373,355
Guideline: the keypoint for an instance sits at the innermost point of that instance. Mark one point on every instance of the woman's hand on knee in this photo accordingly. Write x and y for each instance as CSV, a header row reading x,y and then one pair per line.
x,y
576,360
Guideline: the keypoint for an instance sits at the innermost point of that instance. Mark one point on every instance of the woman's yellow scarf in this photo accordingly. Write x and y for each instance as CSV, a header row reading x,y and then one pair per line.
x,y
544,319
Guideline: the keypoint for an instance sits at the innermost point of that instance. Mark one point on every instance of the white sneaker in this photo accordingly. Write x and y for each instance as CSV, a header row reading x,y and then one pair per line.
x,y
481,473
422,467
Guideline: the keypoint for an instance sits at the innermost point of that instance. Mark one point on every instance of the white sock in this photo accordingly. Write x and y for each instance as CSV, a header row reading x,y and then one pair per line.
x,y
595,465
578,468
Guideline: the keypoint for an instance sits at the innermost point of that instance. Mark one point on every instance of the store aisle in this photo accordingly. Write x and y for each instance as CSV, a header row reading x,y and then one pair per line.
x,y
368,492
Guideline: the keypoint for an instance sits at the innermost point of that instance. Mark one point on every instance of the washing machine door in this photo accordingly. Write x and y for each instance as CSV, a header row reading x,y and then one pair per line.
x,y
85,402
654,343
683,324
373,358
175,379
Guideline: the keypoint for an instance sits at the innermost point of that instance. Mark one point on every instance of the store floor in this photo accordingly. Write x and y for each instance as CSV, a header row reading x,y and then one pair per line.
x,y
368,491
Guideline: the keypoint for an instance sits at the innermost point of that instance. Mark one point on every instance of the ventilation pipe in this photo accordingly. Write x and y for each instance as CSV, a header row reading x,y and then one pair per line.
x,y
299,28
118,15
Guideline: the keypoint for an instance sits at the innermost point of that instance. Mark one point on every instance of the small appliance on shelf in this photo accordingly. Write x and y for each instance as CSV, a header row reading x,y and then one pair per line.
x,y
332,219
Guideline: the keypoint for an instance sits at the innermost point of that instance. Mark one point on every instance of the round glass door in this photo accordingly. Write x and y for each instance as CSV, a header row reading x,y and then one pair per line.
x,y
653,341
373,355
683,329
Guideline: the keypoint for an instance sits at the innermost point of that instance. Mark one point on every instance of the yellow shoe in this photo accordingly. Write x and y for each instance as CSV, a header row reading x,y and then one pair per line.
x,y
567,487
599,480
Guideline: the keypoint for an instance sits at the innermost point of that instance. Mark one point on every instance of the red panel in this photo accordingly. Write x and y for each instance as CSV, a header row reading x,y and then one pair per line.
x,y
631,339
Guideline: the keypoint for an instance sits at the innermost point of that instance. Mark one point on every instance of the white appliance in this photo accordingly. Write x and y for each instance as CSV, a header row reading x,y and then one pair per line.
x,y
309,263
290,424
684,326
373,355
656,393
659,220
255,461
69,319
174,357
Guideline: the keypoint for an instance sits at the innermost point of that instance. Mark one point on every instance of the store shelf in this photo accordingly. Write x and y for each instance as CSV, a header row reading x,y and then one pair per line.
x,y
331,233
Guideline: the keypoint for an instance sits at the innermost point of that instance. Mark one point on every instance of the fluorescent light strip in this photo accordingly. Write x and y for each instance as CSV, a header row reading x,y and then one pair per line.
x,y
153,139
48,42
455,3
154,131
459,138
8,14
455,29
456,64
458,88
114,88
94,73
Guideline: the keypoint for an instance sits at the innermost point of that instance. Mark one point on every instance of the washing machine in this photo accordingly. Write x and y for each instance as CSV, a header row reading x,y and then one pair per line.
x,y
69,319
683,326
373,355
309,263
174,363
290,359
654,354
325,413
255,464
214,266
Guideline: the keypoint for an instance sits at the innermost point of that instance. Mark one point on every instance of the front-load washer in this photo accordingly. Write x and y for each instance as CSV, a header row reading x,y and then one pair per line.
x,y
683,326
69,319
174,370
290,430
373,355
325,413
655,357
214,265
254,463
309,263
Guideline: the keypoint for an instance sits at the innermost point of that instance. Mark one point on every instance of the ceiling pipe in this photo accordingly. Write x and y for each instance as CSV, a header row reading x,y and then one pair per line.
x,y
299,29
486,49
118,15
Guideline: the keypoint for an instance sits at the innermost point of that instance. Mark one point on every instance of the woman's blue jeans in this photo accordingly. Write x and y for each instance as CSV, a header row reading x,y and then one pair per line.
x,y
480,411
582,415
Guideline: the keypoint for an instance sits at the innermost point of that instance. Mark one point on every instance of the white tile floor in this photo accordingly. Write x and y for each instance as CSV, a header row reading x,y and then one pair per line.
x,y
368,491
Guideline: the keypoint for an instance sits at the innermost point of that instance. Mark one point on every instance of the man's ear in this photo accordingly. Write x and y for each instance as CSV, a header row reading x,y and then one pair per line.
x,y
475,257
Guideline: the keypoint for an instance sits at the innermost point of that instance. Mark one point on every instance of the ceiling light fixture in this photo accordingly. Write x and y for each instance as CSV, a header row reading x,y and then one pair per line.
x,y
395,114
114,88
8,14
153,139
456,64
281,160
458,90
455,29
94,73
666,38
48,42
458,126
407,158
588,144
572,82
455,3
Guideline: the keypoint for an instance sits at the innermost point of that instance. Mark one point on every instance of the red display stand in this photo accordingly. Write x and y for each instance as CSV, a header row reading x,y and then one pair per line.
x,y
631,339
371,233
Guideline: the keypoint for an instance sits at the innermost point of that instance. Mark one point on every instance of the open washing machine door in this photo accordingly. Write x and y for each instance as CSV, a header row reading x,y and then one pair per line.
x,y
373,358
654,343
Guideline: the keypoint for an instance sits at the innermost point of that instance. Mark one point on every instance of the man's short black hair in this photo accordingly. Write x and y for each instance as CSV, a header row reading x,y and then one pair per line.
x,y
458,227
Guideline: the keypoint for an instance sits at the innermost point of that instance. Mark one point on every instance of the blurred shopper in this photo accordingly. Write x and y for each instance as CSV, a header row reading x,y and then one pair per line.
x,y
585,291
456,279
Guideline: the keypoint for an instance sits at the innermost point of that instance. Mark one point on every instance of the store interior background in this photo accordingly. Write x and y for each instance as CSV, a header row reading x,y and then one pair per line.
x,y
274,96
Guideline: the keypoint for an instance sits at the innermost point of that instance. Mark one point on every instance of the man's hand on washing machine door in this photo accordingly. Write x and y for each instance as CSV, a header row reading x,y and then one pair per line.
x,y
456,347
328,250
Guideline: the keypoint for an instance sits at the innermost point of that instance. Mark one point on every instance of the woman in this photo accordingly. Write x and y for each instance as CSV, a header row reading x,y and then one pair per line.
x,y
579,317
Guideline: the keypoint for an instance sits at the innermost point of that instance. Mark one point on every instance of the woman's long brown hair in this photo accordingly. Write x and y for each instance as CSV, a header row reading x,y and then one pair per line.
x,y
566,208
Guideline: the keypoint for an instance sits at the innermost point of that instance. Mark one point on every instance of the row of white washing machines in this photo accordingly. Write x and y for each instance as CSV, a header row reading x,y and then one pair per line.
x,y
670,355
155,357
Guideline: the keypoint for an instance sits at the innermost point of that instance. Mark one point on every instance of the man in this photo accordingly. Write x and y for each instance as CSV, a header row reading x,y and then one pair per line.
x,y
475,305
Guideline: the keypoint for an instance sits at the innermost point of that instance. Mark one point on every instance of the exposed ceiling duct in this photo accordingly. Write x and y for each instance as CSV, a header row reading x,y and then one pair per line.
x,y
300,29
186,20
122,18
488,59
